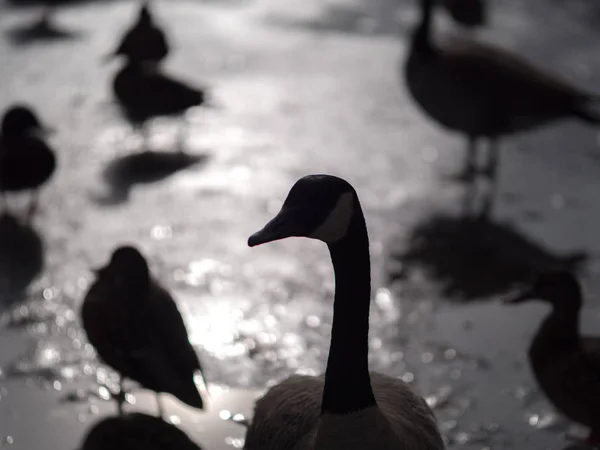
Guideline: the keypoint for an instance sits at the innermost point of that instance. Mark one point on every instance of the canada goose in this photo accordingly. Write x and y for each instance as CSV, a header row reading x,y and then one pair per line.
x,y
347,408
485,92
136,328
565,364
144,42
144,93
26,161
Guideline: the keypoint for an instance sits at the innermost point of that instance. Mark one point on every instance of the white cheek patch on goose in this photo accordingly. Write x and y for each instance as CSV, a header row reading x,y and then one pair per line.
x,y
336,225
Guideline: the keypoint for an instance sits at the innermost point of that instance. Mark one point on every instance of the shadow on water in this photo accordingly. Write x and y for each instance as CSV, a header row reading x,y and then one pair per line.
x,y
40,31
136,431
21,259
145,167
472,257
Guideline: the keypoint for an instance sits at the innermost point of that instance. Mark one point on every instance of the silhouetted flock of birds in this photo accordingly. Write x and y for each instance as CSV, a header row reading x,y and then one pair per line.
x,y
133,322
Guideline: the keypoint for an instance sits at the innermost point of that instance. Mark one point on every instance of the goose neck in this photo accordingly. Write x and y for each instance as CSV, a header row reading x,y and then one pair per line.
x,y
347,382
422,36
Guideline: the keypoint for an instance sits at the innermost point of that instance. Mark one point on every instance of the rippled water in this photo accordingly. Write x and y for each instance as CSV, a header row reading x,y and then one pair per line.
x,y
298,90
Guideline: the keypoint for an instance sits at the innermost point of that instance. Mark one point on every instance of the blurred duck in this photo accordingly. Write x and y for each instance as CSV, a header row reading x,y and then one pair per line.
x,y
26,161
144,93
144,42
565,364
136,328
348,407
485,92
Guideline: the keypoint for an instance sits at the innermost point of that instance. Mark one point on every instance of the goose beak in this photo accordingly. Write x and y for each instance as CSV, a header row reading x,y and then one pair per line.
x,y
519,297
282,226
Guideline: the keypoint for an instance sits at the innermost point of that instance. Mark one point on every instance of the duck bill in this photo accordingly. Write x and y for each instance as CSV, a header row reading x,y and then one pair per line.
x,y
519,297
283,225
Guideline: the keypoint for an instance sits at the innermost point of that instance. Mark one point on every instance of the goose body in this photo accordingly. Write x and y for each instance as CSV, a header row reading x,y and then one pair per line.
x,y
136,328
348,407
144,94
144,41
483,91
26,160
565,364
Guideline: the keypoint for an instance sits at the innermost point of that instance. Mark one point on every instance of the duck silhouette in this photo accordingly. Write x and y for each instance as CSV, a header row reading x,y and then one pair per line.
x,y
144,93
566,364
136,328
26,160
485,92
145,41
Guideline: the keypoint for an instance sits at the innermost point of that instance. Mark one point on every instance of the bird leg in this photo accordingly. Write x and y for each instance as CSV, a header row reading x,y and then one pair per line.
x,y
33,205
182,135
159,404
491,169
120,396
470,167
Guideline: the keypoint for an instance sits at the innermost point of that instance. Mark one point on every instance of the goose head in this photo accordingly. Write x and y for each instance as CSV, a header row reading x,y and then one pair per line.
x,y
145,16
561,289
127,267
20,120
318,207
468,13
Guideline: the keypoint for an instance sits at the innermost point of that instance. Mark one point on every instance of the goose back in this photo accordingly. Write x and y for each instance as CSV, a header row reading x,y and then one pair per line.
x,y
288,416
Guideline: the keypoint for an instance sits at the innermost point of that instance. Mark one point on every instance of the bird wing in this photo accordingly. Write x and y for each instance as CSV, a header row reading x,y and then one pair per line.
x,y
507,77
169,330
286,417
103,321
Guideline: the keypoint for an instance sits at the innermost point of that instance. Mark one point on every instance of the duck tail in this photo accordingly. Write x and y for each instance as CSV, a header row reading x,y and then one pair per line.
x,y
589,109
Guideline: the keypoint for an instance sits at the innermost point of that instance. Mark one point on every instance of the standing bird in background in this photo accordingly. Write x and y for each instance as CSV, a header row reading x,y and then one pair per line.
x,y
565,364
485,92
144,94
145,41
136,328
26,160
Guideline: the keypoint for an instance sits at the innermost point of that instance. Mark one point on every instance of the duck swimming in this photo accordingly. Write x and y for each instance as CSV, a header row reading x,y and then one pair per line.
x,y
485,92
566,365
348,407
145,41
136,328
144,93
26,160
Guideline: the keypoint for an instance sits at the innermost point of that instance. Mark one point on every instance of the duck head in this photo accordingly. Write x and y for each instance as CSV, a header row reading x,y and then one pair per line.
x,y
561,289
20,120
145,16
127,267
468,13
318,207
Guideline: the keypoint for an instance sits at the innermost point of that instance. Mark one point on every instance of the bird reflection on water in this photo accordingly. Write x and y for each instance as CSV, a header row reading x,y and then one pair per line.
x,y
21,259
472,256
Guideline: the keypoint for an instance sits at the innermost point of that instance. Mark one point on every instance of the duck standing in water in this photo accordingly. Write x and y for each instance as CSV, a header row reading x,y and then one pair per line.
x,y
136,328
348,408
26,160
565,364
144,93
145,42
485,92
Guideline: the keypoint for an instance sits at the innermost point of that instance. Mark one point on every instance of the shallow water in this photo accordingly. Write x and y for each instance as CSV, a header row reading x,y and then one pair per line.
x,y
309,87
